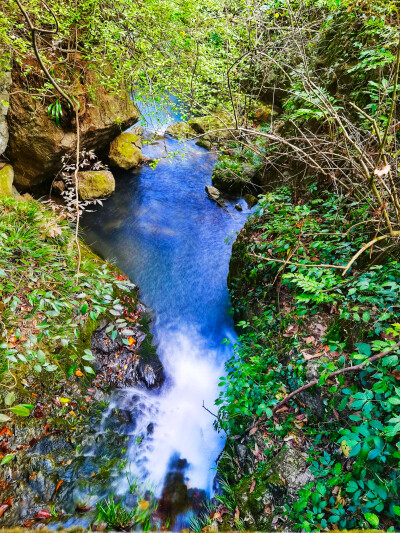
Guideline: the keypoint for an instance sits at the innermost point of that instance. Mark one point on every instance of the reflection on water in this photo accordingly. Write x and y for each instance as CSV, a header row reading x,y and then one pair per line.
x,y
162,230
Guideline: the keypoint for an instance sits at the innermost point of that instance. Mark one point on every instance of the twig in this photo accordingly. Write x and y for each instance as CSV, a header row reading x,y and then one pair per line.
x,y
296,264
335,373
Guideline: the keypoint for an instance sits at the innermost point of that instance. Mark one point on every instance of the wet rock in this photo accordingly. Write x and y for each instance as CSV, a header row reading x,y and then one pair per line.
x,y
51,444
95,184
180,130
6,179
124,366
238,207
125,151
212,192
250,200
37,145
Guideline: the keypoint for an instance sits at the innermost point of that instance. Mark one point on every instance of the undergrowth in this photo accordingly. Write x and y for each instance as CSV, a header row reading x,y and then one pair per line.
x,y
44,312
303,321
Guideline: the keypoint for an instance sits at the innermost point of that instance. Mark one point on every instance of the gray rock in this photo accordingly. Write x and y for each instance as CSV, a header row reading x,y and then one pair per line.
x,y
212,192
238,207
250,200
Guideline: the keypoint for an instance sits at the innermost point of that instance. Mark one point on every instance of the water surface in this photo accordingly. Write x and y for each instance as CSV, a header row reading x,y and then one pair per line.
x,y
175,244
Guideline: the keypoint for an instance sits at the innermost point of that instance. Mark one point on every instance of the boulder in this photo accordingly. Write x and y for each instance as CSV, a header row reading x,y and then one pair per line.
x,y
6,180
238,207
95,184
180,130
37,145
274,485
203,143
125,151
250,200
223,122
212,192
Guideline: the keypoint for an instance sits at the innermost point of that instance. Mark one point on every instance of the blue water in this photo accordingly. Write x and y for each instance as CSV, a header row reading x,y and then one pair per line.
x,y
161,229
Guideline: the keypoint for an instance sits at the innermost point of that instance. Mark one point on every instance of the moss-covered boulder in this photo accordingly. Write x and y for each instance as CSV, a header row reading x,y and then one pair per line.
x,y
6,180
95,184
218,126
261,496
125,151
180,130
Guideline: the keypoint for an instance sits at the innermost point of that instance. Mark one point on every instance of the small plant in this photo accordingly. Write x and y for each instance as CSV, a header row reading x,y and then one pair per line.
x,y
55,111
118,517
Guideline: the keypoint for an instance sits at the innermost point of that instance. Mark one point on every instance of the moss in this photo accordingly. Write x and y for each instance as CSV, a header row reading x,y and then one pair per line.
x,y
95,184
6,180
125,151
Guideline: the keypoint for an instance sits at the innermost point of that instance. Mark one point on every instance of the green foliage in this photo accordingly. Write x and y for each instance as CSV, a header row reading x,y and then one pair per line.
x,y
44,310
355,456
117,517
55,111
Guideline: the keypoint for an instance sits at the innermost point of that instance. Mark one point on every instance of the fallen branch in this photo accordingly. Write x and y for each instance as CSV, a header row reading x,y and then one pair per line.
x,y
297,264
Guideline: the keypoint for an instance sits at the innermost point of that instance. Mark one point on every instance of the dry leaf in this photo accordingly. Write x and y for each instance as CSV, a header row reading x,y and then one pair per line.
x,y
253,430
252,486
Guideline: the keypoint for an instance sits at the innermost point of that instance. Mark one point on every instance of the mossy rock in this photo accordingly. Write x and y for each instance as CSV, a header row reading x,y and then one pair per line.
x,y
180,130
95,184
6,180
223,122
277,483
125,151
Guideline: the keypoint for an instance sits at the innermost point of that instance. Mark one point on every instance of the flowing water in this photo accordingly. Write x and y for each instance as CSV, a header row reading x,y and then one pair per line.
x,y
175,244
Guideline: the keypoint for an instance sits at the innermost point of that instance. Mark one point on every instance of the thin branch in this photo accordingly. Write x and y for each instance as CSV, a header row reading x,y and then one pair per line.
x,y
354,368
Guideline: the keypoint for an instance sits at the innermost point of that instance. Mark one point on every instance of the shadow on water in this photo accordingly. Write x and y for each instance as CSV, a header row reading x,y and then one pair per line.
x,y
169,238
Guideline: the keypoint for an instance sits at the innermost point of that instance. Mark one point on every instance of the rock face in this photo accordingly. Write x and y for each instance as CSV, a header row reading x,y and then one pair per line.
x,y
37,144
6,180
95,184
125,151
5,82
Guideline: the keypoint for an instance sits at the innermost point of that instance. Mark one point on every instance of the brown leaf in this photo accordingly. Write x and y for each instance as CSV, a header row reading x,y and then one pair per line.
x,y
309,356
291,330
253,430
237,514
59,484
252,486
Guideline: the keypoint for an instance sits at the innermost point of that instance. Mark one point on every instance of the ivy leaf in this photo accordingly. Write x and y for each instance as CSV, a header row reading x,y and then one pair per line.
x,y
372,519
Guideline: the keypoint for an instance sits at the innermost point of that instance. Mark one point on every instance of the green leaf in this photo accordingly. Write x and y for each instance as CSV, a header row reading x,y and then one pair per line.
x,y
84,309
89,369
4,418
9,399
372,519
396,510
88,357
6,459
20,410
364,348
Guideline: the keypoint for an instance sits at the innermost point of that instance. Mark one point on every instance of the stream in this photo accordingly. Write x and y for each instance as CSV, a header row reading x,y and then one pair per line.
x,y
161,229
